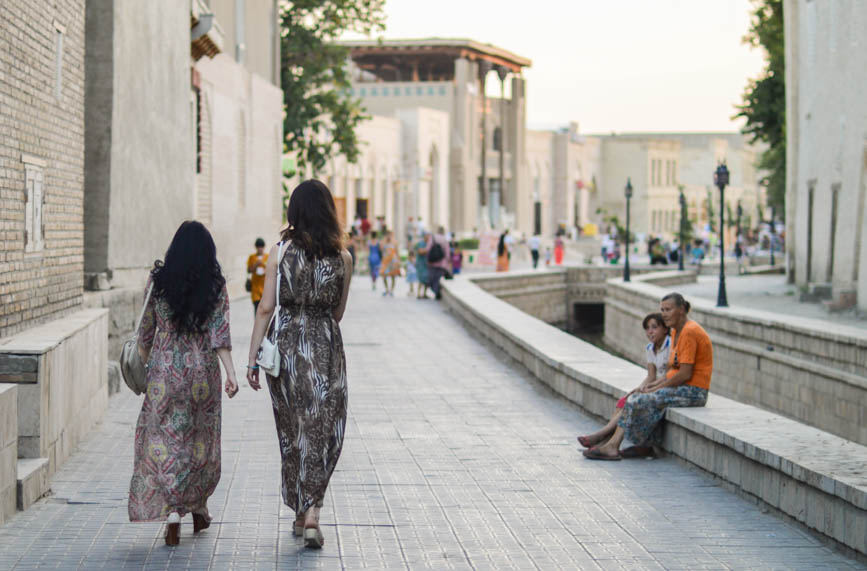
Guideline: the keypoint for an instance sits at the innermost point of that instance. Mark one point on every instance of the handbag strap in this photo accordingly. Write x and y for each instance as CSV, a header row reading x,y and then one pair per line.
x,y
277,288
144,307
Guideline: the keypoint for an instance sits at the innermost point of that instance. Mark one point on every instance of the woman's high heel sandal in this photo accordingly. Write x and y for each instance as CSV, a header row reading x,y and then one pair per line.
x,y
173,529
200,522
313,538
298,527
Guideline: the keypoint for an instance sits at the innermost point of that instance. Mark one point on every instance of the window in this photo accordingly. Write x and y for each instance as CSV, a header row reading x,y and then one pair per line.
x,y
240,46
674,172
430,90
419,90
442,89
497,139
385,91
362,92
653,219
653,173
407,91
34,227
374,91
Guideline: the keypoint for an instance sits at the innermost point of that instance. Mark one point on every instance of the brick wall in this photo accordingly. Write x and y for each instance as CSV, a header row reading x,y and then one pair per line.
x,y
41,136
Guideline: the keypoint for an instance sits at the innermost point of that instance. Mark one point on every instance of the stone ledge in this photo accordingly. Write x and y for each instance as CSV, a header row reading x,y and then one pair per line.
x,y
33,481
43,338
810,475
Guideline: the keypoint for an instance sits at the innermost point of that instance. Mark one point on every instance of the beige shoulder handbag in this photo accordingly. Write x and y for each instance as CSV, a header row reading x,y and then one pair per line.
x,y
131,368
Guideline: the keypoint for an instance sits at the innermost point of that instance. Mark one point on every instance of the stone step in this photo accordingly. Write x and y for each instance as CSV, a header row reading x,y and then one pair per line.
x,y
33,481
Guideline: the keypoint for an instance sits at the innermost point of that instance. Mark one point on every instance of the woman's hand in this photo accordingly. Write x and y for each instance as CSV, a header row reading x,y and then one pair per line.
x,y
231,385
253,377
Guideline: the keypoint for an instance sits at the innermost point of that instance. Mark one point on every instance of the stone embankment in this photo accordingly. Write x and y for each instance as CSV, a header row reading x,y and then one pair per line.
x,y
812,476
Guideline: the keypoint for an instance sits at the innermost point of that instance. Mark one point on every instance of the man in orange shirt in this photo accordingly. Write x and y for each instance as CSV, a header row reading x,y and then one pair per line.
x,y
256,273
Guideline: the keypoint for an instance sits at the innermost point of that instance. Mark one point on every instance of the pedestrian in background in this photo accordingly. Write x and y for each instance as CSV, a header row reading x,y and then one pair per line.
x,y
534,242
439,258
558,250
421,265
374,258
309,394
183,337
411,272
256,273
457,258
502,254
390,263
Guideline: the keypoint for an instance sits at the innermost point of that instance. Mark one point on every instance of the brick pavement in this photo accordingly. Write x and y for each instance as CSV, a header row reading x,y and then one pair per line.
x,y
452,461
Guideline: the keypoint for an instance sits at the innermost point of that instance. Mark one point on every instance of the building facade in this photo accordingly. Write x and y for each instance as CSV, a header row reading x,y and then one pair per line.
x,y
183,130
41,162
483,174
661,165
826,171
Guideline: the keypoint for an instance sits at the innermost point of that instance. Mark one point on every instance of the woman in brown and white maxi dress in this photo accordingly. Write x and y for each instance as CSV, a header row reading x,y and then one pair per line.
x,y
310,394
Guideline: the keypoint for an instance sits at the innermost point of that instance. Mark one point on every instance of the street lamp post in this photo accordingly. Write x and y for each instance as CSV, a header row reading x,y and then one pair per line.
x,y
773,232
721,179
682,200
628,193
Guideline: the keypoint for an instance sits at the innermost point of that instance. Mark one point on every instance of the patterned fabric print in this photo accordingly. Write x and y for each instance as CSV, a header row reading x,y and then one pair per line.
x,y
310,395
421,268
177,438
642,415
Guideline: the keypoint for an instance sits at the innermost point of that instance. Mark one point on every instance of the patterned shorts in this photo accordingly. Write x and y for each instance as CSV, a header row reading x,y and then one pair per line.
x,y
642,416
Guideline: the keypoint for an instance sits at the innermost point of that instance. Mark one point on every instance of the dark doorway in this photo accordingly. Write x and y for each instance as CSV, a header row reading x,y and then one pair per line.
x,y
361,207
588,318
537,218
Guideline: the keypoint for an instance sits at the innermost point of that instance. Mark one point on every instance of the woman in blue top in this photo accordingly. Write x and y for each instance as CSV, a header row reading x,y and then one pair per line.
x,y
374,258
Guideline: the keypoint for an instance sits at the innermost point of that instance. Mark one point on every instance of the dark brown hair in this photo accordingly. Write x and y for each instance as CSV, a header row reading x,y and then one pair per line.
x,y
678,301
655,317
312,220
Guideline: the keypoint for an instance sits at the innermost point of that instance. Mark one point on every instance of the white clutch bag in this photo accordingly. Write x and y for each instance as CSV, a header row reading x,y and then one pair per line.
x,y
268,357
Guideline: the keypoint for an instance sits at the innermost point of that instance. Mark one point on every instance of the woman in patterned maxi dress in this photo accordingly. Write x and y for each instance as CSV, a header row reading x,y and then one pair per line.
x,y
309,395
183,334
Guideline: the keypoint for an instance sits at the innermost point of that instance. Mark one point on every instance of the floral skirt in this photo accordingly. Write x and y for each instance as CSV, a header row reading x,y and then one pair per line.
x,y
642,415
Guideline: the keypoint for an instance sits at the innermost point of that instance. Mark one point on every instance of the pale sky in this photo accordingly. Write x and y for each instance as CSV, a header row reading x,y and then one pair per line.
x,y
611,65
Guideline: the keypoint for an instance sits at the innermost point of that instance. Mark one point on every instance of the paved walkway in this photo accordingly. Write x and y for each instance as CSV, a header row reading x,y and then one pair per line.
x,y
770,293
452,460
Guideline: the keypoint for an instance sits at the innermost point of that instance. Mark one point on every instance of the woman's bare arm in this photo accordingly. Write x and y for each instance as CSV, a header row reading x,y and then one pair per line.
x,y
263,316
225,355
347,277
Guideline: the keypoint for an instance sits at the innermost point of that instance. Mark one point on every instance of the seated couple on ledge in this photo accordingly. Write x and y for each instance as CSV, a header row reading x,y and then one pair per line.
x,y
679,365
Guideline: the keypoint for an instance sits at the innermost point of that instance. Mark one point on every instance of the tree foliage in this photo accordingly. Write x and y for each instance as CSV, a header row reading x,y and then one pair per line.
x,y
764,100
320,113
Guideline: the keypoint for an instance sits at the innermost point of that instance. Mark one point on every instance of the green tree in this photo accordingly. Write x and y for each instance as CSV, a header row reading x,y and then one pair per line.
x,y
320,113
764,100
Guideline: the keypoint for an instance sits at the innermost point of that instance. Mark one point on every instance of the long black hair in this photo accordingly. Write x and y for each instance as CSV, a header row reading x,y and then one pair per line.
x,y
190,279
501,245
312,220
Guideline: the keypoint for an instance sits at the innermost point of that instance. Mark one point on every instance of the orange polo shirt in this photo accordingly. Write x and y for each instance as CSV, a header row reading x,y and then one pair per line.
x,y
256,266
693,348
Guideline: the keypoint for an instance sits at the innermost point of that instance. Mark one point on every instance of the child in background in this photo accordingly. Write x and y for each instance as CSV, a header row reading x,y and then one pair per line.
x,y
547,256
457,259
411,272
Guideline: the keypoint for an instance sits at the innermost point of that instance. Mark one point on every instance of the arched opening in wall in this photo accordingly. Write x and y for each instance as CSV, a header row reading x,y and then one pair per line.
x,y
434,200
588,322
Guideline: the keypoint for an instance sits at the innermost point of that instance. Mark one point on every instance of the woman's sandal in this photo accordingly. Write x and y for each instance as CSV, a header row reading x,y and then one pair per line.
x,y
585,441
201,522
173,529
298,527
638,452
595,454
313,538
